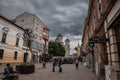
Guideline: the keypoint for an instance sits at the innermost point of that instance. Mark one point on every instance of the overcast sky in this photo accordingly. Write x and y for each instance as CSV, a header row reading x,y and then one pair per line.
x,y
61,16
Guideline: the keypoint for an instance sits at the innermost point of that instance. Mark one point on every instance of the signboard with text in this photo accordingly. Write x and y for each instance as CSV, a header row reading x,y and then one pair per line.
x,y
98,40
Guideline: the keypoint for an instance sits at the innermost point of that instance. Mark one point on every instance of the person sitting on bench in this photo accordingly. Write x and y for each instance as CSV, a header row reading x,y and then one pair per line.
x,y
8,69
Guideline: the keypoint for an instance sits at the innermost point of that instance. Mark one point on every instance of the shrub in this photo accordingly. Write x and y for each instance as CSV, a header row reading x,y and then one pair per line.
x,y
25,68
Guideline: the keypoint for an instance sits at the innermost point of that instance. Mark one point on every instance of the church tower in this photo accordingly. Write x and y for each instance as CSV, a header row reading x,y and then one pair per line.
x,y
67,47
59,38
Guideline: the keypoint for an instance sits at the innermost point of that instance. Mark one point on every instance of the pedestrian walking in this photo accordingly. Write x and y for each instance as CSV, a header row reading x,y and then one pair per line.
x,y
76,63
60,65
54,64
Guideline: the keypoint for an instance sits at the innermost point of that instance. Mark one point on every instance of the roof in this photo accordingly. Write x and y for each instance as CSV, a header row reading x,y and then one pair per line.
x,y
67,40
34,15
1,16
60,35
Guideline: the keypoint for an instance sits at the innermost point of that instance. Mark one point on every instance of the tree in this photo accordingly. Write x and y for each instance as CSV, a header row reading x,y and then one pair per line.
x,y
28,38
56,49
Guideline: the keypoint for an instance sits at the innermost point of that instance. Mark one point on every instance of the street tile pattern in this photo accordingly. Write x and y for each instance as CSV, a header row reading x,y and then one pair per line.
x,y
69,73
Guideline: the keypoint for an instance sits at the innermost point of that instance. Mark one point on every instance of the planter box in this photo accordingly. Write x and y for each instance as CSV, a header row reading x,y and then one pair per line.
x,y
25,69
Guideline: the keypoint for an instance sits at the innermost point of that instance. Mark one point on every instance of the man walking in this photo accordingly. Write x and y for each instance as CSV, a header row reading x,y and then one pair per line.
x,y
60,65
54,64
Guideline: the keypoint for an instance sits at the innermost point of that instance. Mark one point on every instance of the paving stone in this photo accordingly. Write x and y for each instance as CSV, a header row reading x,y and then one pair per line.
x,y
69,73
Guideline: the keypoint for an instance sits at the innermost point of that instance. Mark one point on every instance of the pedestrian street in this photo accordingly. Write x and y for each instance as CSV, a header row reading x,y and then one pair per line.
x,y
69,72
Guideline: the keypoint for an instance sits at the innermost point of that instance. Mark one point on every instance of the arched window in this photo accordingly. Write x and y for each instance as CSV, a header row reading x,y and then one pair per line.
x,y
17,39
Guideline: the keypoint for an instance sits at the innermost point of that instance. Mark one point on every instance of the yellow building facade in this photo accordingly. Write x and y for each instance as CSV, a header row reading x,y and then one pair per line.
x,y
11,42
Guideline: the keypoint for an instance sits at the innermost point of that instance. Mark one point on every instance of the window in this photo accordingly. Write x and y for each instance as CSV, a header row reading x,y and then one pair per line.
x,y
15,55
1,53
17,41
4,37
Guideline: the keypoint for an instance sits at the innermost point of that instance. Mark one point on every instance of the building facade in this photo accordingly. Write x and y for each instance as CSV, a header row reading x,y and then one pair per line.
x,y
112,32
103,26
84,46
32,22
11,43
46,39
59,38
67,47
78,50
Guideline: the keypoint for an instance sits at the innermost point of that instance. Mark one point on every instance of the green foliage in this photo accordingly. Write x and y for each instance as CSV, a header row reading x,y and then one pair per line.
x,y
56,49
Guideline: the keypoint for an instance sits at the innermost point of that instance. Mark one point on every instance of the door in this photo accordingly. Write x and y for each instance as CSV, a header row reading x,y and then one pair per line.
x,y
25,57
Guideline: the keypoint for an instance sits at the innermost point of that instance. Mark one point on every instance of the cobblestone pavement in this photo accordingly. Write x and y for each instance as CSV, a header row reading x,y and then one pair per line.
x,y
69,73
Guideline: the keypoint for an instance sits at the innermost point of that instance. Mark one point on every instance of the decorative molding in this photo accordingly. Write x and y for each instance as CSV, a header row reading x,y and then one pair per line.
x,y
5,29
18,35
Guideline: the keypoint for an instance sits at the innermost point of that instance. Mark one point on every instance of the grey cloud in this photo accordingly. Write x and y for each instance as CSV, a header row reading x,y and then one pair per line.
x,y
61,16
71,2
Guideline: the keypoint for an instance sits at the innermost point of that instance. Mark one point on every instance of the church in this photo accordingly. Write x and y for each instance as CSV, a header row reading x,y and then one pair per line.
x,y
59,38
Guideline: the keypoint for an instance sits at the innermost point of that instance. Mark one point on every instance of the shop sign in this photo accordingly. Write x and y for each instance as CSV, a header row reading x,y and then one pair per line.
x,y
98,40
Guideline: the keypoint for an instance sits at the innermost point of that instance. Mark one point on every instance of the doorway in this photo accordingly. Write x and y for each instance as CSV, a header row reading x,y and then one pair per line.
x,y
25,59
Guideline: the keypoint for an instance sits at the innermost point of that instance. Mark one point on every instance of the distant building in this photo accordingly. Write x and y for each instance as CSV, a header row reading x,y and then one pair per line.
x,y
67,44
78,50
59,38
67,47
74,55
31,21
11,43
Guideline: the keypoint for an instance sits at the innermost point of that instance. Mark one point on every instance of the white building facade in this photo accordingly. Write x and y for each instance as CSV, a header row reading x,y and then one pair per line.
x,y
31,21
